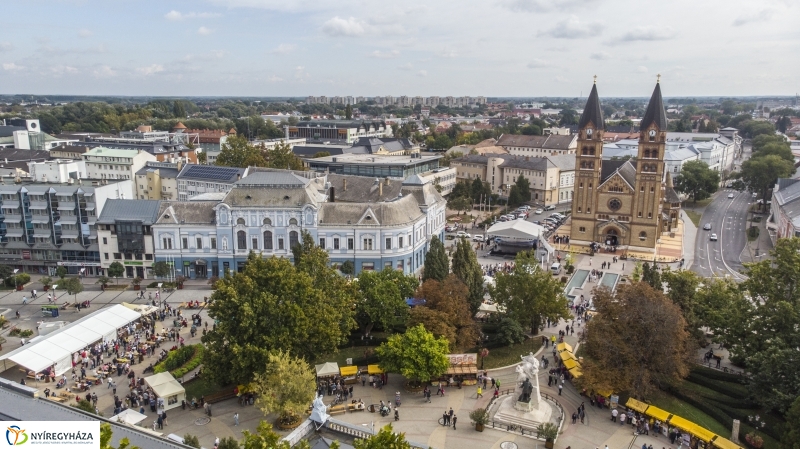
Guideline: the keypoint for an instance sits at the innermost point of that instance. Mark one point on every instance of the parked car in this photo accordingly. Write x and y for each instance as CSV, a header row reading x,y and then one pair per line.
x,y
557,215
477,238
451,228
730,195
525,207
707,227
463,234
539,211
550,207
713,237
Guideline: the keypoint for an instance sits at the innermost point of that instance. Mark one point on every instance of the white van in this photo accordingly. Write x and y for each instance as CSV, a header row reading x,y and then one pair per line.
x,y
555,268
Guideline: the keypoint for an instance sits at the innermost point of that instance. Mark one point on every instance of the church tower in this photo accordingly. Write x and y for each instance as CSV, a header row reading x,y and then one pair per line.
x,y
648,196
588,164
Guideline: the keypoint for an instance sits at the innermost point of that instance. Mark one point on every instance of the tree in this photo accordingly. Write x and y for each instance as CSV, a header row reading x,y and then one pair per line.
x,y
5,272
446,302
521,190
238,152
348,112
682,289
228,443
61,272
416,354
509,331
759,174
178,110
529,294
161,269
271,305
382,298
697,180
348,267
791,433
468,270
73,286
281,156
651,277
384,439
623,350
265,437
461,203
437,264
202,157
106,433
191,440
103,280
286,387
116,269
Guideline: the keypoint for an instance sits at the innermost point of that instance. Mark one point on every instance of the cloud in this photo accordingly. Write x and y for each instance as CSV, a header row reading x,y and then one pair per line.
x,y
11,67
63,69
573,28
647,34
538,64
641,69
762,16
176,16
422,73
600,56
5,46
283,49
447,53
151,69
406,66
349,27
274,79
542,5
561,79
104,71
203,31
84,33
300,73
389,54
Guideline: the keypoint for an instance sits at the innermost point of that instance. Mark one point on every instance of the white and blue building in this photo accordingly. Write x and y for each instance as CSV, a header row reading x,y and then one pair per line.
x,y
376,223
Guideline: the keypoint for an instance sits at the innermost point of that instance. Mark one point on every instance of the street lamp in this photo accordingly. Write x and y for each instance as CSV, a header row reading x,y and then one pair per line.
x,y
55,295
15,278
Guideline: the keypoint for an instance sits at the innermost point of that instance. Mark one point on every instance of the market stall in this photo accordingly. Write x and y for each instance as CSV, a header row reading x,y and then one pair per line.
x,y
349,374
374,369
166,387
463,370
561,347
129,416
327,369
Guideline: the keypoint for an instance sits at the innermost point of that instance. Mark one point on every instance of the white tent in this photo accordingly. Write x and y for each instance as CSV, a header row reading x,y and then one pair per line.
x,y
129,416
516,230
327,369
56,348
166,387
144,309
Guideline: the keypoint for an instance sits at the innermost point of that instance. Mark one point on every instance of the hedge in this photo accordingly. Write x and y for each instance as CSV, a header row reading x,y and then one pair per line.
x,y
22,279
719,375
182,360
726,388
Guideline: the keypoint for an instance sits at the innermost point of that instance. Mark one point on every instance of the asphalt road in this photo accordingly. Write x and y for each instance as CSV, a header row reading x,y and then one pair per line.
x,y
728,219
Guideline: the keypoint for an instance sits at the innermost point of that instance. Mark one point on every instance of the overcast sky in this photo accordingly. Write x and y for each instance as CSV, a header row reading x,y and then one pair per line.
x,y
343,47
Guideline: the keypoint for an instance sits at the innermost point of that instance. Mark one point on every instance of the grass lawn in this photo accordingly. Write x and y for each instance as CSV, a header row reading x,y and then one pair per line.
x,y
684,410
694,216
200,387
508,355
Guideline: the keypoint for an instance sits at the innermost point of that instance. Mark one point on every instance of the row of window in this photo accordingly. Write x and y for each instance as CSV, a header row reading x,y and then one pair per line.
x,y
129,256
642,235
605,217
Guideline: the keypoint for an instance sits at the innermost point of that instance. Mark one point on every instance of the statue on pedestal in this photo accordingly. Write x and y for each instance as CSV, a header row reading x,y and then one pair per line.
x,y
528,372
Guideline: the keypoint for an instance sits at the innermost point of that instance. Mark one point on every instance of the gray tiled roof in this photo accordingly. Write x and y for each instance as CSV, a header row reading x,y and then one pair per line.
x,y
363,189
655,112
274,178
194,212
15,154
145,210
672,196
551,142
592,113
625,169
162,171
787,194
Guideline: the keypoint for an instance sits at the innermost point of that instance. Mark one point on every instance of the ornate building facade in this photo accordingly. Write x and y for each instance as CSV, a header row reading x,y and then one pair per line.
x,y
623,203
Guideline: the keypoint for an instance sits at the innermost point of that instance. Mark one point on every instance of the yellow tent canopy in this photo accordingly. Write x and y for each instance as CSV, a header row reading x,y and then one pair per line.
x,y
605,393
692,428
576,372
639,406
657,413
374,369
724,443
348,370
566,355
564,347
570,364
703,433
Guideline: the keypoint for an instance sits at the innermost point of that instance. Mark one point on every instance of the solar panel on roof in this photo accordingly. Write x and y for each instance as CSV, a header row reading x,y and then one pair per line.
x,y
210,172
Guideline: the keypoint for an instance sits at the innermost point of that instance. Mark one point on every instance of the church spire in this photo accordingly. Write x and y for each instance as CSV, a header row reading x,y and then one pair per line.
x,y
655,113
592,111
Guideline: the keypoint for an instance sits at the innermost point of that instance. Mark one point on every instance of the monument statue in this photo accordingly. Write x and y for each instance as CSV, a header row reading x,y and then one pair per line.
x,y
319,411
528,380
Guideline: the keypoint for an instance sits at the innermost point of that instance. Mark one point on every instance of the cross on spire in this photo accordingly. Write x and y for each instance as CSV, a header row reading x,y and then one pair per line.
x,y
595,79
658,78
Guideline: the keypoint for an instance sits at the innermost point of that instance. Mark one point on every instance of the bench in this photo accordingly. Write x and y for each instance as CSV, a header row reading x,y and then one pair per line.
x,y
355,408
220,396
336,409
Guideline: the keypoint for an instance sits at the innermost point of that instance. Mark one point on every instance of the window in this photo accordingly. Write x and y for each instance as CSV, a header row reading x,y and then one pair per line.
x,y
614,204
213,243
322,243
268,240
105,241
184,243
367,266
641,189
400,242
241,240
199,243
388,243
267,222
640,215
642,235
293,239
254,240
649,215
579,209
293,222
280,243
106,255
117,255
387,265
350,243
148,257
166,243
652,189
367,244
581,186
240,221
582,229
335,243
588,210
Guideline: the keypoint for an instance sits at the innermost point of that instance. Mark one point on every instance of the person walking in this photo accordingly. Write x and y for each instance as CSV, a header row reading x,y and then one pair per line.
x,y
560,387
614,414
236,419
480,391
455,419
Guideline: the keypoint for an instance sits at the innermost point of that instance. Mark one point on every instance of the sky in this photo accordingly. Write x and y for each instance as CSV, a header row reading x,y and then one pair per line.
x,y
494,48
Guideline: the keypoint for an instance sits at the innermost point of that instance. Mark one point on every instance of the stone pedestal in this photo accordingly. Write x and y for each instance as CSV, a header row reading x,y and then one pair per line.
x,y
525,407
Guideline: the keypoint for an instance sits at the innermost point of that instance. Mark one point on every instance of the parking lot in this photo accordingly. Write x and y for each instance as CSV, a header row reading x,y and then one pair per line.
x,y
551,219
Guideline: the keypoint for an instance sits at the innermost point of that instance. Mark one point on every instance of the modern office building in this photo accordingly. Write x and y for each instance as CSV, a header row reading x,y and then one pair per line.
x,y
376,166
124,231
376,223
343,130
157,181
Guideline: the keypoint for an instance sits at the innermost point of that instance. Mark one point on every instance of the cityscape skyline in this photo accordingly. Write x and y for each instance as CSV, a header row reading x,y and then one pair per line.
x,y
513,48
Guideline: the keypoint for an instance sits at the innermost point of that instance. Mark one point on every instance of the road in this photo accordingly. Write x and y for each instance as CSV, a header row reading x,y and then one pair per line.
x,y
728,219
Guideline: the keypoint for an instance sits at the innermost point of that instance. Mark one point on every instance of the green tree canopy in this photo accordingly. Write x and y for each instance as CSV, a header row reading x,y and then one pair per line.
x,y
759,174
271,305
697,180
266,438
116,269
281,156
286,386
529,294
416,354
382,298
384,439
452,318
106,433
73,286
437,263
161,269
466,267
238,152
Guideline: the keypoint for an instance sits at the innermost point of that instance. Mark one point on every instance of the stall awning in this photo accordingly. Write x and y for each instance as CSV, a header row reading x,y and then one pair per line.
x,y
724,443
639,406
327,369
692,428
657,413
576,372
129,416
374,369
564,347
569,363
462,369
348,370
566,355
605,393
164,385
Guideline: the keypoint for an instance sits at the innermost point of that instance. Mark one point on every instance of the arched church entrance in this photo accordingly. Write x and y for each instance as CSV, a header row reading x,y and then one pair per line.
x,y
611,237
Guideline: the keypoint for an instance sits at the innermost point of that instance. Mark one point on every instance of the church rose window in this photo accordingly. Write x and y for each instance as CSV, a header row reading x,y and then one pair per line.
x,y
614,204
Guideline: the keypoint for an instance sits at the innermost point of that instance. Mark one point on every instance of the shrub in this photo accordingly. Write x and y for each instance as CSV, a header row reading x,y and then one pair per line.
x,y
727,388
752,232
718,375
182,360
479,416
191,441
152,284
22,279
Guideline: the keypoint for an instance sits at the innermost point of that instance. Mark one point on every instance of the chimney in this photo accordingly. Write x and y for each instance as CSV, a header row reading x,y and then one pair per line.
x,y
333,195
387,181
238,176
345,184
380,189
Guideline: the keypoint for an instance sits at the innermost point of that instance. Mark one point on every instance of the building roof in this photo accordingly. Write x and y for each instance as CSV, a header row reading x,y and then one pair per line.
x,y
211,173
111,152
310,149
564,162
624,168
362,189
164,172
376,160
655,113
16,154
549,142
188,212
179,125
592,113
786,182
672,196
372,145
144,210
71,148
788,193
339,123
282,179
